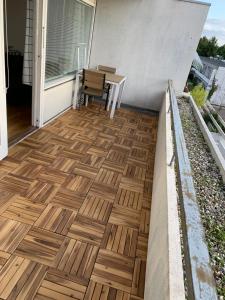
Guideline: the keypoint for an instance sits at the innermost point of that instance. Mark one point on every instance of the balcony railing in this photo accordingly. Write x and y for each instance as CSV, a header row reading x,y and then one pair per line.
x,y
199,275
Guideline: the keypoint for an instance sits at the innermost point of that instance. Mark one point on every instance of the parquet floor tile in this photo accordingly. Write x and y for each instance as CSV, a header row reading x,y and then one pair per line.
x,y
20,278
129,199
12,233
88,230
120,239
96,208
138,283
99,291
23,210
78,258
125,216
75,202
41,246
56,286
41,191
114,270
67,199
78,184
56,219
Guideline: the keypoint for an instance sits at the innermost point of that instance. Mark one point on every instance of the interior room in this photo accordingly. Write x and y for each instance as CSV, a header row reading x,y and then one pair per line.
x,y
18,62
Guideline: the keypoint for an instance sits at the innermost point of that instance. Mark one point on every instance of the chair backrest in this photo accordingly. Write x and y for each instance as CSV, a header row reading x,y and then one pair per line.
x,y
107,69
93,80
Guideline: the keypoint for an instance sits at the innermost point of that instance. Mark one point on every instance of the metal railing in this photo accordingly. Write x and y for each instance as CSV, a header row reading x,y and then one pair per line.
x,y
199,275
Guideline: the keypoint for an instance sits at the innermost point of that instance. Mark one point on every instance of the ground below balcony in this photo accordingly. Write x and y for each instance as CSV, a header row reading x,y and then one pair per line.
x,y
75,203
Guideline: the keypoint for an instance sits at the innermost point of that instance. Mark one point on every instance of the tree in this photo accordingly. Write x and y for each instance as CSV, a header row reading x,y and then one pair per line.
x,y
199,95
208,47
221,51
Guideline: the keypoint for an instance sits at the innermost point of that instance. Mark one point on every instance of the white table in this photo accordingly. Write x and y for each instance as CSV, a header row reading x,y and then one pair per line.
x,y
116,81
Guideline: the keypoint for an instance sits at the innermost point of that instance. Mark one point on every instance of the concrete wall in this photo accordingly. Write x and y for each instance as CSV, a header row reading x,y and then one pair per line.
x,y
16,13
149,41
164,275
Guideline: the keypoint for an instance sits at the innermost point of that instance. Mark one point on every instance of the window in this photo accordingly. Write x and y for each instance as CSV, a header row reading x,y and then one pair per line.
x,y
68,34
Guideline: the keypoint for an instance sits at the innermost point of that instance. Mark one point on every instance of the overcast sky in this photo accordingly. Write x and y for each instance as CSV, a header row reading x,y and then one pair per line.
x,y
215,24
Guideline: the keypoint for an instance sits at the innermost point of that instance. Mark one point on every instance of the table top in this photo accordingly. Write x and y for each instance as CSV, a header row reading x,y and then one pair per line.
x,y
112,78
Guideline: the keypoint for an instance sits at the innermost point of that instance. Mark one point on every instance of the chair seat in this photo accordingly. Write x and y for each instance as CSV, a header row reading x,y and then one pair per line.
x,y
92,92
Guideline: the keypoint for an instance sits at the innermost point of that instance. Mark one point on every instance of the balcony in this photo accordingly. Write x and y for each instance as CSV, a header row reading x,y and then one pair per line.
x,y
89,205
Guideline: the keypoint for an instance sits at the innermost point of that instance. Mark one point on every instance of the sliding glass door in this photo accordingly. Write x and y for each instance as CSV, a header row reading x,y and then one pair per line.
x,y
69,24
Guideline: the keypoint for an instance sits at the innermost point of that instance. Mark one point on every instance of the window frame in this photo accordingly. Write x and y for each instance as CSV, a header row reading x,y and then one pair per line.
x,y
70,76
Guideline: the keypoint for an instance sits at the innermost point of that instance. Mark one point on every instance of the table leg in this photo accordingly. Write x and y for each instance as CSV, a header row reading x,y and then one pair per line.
x,y
76,91
115,99
120,94
111,96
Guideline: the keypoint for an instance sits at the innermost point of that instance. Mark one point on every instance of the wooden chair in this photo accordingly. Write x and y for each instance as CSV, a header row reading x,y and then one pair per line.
x,y
93,85
111,70
107,69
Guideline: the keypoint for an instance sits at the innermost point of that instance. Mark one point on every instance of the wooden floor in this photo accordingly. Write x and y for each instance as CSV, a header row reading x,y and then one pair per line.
x,y
75,203
19,121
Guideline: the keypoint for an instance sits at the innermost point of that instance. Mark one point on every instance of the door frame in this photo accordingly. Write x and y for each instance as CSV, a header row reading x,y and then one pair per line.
x,y
39,41
3,111
39,38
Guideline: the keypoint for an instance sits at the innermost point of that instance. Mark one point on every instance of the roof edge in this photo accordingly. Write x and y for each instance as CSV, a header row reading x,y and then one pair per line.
x,y
197,2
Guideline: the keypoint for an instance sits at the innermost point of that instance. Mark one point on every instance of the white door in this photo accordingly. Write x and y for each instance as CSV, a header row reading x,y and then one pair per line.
x,y
3,115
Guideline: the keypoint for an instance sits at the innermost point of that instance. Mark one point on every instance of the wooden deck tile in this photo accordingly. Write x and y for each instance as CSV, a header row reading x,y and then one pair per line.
x,y
78,184
64,164
20,278
54,287
41,246
138,283
135,170
103,191
96,208
131,184
27,170
67,199
12,233
77,259
75,202
41,158
42,192
114,270
98,291
125,216
56,219
129,199
23,210
120,239
15,184
87,230
108,178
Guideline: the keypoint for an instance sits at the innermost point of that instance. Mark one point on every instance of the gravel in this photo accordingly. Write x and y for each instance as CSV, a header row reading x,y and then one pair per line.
x,y
210,191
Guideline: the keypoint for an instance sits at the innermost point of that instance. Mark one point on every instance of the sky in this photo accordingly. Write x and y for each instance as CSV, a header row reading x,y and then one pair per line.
x,y
215,24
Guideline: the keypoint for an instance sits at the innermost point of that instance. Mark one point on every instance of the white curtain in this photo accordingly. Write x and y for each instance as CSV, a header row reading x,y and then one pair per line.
x,y
28,47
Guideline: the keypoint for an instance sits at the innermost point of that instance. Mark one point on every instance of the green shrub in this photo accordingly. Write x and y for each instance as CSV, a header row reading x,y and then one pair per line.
x,y
199,94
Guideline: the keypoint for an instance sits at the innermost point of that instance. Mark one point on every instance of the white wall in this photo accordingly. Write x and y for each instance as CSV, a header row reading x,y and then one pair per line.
x,y
16,13
149,41
164,275
57,99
